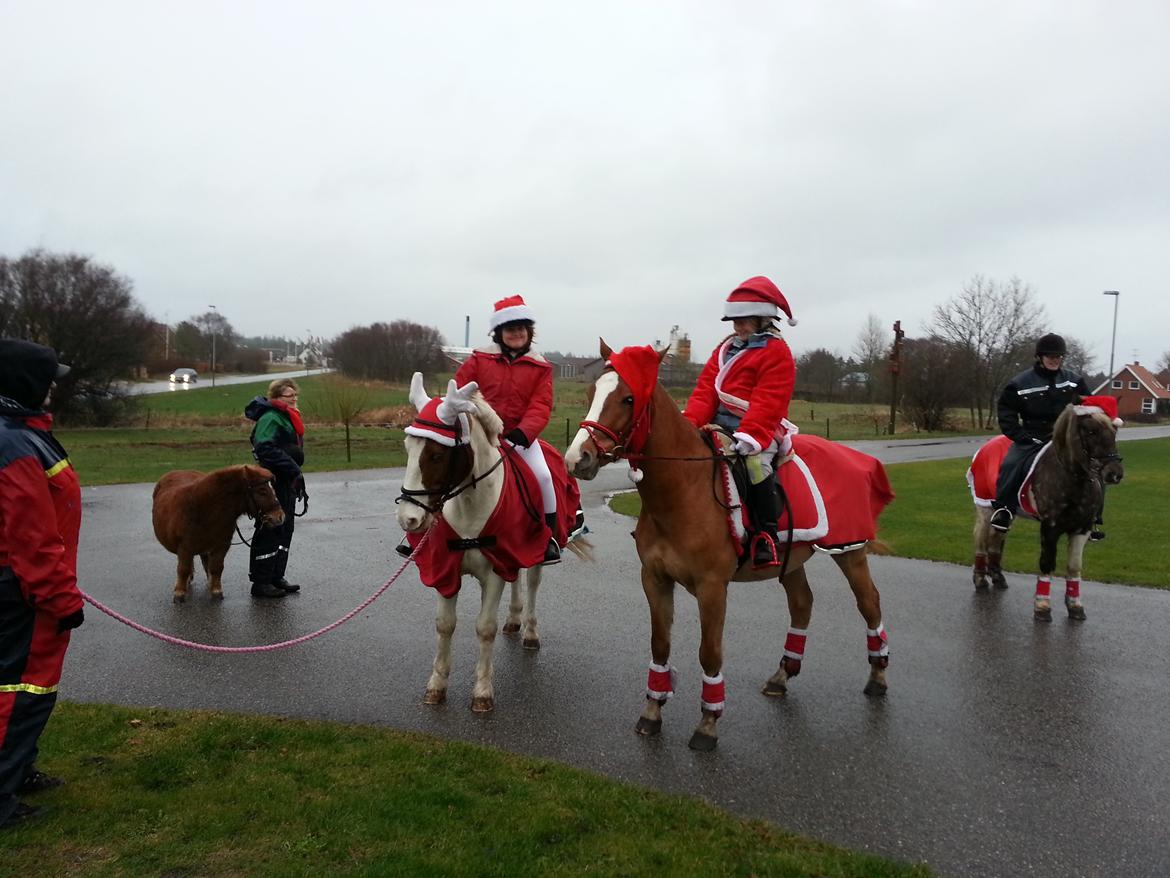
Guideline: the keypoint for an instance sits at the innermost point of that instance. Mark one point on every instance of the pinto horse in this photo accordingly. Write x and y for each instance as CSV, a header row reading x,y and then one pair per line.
x,y
1064,490
683,534
195,514
478,505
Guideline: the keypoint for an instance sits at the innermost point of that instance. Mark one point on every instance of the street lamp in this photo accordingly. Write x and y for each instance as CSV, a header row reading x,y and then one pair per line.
x,y
1113,344
213,334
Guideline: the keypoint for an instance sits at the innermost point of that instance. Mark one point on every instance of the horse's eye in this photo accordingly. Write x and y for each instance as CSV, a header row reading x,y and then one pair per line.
x,y
629,400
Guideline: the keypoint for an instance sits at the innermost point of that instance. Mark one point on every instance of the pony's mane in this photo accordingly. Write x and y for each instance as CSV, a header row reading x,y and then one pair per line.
x,y
488,419
1066,434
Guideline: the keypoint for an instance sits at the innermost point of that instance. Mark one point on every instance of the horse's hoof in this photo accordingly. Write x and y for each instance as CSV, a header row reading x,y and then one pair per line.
x,y
775,689
873,687
435,696
1042,615
179,598
483,704
648,727
532,643
511,628
702,742
1076,612
217,595
981,583
999,580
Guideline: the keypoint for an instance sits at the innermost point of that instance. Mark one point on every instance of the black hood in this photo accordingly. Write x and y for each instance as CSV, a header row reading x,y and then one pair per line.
x,y
256,408
27,370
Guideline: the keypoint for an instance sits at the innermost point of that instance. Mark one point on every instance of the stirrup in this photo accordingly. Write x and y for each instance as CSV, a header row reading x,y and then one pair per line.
x,y
552,554
1095,536
765,539
1001,519
404,548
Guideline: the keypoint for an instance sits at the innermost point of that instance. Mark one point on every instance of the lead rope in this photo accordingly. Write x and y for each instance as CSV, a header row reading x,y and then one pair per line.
x,y
268,647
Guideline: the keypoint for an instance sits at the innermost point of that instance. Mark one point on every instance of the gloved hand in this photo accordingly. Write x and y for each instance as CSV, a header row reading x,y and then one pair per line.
x,y
299,491
516,437
744,448
73,620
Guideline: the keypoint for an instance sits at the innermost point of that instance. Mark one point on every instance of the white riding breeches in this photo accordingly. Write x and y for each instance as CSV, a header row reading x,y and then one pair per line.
x,y
534,457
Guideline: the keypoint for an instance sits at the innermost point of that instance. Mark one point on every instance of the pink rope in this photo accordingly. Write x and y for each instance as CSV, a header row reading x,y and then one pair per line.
x,y
268,647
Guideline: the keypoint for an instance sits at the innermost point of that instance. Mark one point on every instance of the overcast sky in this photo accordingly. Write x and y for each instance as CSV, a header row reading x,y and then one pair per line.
x,y
308,167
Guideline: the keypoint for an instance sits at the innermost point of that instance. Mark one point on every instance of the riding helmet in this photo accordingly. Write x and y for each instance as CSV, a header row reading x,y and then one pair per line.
x,y
1051,344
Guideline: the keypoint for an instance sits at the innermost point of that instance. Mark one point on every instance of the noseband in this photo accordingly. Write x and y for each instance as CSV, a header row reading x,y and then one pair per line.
x,y
251,504
449,489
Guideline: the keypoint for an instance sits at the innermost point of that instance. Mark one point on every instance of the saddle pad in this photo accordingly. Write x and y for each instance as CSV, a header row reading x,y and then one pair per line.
x,y
852,487
984,469
1027,501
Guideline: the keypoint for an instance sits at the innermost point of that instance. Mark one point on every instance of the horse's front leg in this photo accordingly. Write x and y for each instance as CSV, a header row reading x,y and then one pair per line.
x,y
995,541
1041,601
184,574
855,566
659,592
800,605
213,566
712,598
515,609
441,669
486,625
1072,584
982,526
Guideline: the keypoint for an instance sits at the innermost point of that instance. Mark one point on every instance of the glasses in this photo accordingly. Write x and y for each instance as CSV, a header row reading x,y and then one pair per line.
x,y
288,396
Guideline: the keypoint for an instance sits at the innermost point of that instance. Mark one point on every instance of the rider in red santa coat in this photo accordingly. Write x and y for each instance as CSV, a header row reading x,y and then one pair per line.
x,y
745,388
517,382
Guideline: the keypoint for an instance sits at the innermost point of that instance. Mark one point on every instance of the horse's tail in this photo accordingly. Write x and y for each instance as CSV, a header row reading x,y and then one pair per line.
x,y
582,548
878,547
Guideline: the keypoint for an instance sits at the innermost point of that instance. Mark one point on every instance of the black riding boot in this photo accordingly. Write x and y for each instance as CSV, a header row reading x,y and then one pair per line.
x,y
764,506
552,552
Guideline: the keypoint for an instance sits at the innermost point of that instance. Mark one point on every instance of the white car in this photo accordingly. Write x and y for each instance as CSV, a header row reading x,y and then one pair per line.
x,y
184,376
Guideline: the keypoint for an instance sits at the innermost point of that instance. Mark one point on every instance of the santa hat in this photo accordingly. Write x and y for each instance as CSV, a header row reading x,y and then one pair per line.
x,y
443,419
1106,405
508,310
638,367
757,297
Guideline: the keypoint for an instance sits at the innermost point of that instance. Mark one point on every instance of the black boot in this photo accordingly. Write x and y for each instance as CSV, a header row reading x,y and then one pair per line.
x,y
267,590
764,506
403,548
552,552
1001,519
285,585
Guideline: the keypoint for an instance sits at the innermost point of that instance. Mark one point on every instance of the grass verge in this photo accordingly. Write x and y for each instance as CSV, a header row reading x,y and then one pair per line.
x,y
178,793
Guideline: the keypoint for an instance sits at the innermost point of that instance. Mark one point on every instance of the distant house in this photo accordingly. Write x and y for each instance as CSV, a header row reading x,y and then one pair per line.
x,y
580,368
1138,391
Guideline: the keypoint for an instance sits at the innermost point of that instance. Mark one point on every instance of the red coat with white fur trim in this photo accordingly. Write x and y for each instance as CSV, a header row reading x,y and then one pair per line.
x,y
520,390
761,377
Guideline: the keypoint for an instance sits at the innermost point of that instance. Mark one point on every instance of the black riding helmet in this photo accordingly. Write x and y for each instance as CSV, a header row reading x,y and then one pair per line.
x,y
1051,344
27,370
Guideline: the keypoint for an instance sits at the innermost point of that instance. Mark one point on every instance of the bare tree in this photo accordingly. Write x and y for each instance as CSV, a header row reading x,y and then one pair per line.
x,y
870,351
86,312
992,326
390,352
818,373
341,400
1164,363
928,385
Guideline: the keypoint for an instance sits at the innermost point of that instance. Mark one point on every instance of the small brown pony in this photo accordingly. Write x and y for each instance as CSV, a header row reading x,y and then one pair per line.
x,y
1065,489
195,514
682,537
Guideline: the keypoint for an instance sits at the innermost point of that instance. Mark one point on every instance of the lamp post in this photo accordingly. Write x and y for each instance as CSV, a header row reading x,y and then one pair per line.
x,y
1113,344
213,334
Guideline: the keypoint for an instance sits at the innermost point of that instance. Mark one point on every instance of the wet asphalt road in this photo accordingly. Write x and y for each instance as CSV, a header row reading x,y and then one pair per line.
x,y
1003,747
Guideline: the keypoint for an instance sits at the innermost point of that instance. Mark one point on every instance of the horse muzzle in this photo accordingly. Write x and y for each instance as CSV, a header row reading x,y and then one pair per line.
x,y
582,463
1113,472
413,519
275,518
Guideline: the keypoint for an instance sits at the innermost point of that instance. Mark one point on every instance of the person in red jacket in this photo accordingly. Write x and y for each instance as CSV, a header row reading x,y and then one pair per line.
x,y
745,388
40,518
517,382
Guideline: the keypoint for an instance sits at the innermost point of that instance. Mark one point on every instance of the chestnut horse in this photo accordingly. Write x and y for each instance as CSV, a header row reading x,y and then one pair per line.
x,y
195,514
1065,491
682,537
457,483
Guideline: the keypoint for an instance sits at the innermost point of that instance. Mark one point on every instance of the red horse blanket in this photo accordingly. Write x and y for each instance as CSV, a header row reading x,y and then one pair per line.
x,y
984,472
515,534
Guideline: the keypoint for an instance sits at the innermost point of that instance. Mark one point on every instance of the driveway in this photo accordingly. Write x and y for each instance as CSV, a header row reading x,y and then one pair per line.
x,y
1003,747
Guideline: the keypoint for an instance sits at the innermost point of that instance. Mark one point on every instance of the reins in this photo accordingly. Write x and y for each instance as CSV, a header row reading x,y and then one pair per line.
x,y
445,493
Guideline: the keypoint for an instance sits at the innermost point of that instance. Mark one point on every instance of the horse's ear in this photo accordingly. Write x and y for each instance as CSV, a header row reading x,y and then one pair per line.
x,y
418,396
606,350
662,353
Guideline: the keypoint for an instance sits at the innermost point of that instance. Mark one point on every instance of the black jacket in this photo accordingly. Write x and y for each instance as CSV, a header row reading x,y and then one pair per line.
x,y
1032,401
275,444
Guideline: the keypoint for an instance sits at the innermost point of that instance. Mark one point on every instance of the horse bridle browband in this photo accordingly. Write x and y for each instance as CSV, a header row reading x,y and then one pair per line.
x,y
448,490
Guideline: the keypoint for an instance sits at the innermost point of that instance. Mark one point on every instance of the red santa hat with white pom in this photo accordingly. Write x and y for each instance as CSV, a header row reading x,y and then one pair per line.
x,y
757,297
444,418
510,310
1106,405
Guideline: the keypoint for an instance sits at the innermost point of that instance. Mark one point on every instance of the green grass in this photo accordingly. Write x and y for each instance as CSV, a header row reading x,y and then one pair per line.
x,y
933,516
157,792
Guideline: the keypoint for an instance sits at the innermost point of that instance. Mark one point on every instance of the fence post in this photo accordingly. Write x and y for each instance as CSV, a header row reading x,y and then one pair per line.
x,y
566,433
827,436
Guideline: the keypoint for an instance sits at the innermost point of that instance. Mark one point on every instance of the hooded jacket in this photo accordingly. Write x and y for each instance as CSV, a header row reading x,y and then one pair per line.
x,y
520,390
275,443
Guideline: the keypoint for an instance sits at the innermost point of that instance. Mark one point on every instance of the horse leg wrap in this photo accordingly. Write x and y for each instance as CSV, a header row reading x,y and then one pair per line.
x,y
994,559
794,644
1043,588
713,694
878,645
1072,591
660,683
980,562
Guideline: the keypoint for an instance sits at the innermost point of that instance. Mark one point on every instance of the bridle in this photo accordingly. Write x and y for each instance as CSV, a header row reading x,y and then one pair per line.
x,y
451,486
251,503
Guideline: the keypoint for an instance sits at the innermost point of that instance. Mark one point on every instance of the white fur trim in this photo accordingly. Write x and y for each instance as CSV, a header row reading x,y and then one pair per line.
x,y
731,310
747,438
507,315
427,433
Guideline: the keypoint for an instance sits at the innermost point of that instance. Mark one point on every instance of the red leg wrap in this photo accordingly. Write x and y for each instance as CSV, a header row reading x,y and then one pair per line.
x,y
1072,589
660,682
713,694
1043,586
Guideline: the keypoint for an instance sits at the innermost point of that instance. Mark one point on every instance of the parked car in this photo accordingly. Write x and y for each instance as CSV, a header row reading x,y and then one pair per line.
x,y
184,376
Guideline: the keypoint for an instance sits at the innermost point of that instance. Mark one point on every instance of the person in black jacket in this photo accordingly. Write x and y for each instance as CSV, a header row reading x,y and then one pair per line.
x,y
278,441
1028,408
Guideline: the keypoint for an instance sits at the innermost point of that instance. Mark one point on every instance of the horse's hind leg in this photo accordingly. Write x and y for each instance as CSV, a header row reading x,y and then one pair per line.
x,y
855,566
1072,584
531,637
1041,600
712,597
186,570
441,669
800,604
979,572
660,680
515,610
486,624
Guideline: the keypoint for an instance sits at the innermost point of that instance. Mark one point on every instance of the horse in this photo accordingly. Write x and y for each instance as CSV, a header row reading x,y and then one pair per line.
x,y
474,503
682,534
195,513
1064,490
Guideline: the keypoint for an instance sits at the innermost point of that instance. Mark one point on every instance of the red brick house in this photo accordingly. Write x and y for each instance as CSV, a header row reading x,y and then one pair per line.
x,y
1140,394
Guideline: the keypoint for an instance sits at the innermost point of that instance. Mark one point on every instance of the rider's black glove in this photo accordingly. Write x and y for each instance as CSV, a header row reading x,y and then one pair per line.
x,y
73,620
516,437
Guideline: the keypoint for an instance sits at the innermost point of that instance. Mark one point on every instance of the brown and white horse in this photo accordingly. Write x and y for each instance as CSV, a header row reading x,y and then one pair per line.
x,y
195,514
1065,491
462,484
682,537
